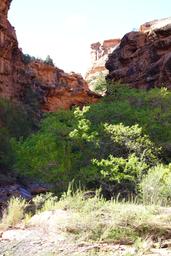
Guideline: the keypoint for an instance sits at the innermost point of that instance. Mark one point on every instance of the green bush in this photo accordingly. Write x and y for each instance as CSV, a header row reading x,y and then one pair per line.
x,y
27,58
47,154
14,123
15,118
5,149
132,140
156,185
150,109
67,143
49,61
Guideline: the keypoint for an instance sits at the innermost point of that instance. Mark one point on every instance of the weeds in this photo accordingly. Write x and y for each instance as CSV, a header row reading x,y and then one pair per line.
x,y
14,213
96,219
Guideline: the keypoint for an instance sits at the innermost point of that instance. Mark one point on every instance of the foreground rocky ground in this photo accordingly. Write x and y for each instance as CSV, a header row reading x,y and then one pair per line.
x,y
75,226
47,234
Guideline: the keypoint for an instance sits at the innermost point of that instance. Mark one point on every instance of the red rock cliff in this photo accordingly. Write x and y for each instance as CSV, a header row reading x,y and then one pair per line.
x,y
143,58
99,55
10,55
55,88
60,89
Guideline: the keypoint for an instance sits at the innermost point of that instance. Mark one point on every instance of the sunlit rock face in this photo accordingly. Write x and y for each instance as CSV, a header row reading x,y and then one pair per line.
x,y
143,58
55,88
60,89
99,55
155,24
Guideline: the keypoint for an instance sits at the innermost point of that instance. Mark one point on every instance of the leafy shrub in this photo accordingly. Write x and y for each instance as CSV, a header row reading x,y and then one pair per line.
x,y
47,154
27,58
156,185
119,169
49,61
134,141
150,109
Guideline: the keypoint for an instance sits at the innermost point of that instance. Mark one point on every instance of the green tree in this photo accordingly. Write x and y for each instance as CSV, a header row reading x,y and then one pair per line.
x,y
49,61
107,144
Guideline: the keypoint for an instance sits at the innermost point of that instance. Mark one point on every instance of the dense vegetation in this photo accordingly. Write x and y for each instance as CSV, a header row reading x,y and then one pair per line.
x,y
117,144
16,121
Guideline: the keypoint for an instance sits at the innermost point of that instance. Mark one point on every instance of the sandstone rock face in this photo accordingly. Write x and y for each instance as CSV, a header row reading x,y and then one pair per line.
x,y
155,24
143,58
99,55
59,90
10,55
55,88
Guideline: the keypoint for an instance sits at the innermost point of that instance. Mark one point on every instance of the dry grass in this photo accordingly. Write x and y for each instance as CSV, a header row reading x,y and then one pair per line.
x,y
95,220
98,220
14,213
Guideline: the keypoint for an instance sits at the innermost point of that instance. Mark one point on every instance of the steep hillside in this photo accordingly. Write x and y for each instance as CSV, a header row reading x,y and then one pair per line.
x,y
143,58
53,87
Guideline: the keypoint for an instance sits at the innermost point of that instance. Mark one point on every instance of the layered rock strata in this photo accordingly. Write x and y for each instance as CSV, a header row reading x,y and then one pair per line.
x,y
143,58
99,55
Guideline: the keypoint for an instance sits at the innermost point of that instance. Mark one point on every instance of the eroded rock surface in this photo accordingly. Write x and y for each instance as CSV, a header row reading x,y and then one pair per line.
x,y
54,88
143,58
59,89
99,55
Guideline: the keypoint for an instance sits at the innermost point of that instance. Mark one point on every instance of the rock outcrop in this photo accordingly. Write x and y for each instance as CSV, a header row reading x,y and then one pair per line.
x,y
59,89
10,56
99,55
54,88
143,58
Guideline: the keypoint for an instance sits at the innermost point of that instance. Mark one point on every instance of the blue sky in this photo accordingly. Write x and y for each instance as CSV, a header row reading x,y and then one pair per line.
x,y
66,28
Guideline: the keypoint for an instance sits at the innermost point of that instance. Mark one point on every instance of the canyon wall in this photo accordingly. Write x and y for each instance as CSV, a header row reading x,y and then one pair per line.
x,y
54,88
10,56
60,89
143,58
99,55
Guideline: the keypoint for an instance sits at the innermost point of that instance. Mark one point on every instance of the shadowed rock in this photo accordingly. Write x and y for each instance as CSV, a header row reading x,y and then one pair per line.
x,y
143,58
